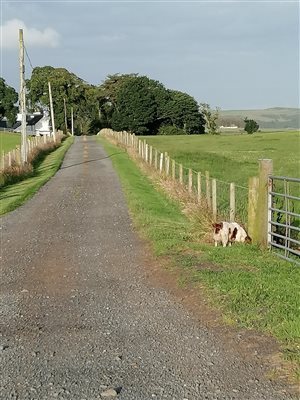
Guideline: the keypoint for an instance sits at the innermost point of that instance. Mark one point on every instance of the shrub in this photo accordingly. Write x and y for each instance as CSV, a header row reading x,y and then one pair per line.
x,y
170,130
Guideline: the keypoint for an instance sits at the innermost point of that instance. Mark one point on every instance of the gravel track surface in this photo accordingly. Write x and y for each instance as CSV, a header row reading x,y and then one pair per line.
x,y
78,315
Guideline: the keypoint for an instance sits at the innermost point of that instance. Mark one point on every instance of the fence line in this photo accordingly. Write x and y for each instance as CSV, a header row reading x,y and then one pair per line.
x,y
250,205
13,158
226,200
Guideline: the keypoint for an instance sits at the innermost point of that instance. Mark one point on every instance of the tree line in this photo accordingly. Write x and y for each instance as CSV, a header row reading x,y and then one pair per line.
x,y
122,102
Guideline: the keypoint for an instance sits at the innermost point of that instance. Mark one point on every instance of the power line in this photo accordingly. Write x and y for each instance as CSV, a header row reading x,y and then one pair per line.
x,y
28,57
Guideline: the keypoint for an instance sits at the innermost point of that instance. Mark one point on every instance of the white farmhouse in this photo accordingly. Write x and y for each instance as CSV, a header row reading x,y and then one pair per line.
x,y
37,124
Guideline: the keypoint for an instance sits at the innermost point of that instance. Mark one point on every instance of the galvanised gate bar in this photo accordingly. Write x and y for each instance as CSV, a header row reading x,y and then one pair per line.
x,y
284,217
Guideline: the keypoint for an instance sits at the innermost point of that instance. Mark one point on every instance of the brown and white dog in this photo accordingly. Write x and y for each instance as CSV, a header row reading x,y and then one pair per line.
x,y
229,232
221,233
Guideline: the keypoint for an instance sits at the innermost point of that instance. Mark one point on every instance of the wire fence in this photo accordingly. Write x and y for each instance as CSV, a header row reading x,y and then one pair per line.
x,y
35,144
226,200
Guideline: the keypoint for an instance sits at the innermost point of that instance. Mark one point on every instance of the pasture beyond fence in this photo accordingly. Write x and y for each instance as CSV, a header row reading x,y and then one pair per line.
x,y
250,205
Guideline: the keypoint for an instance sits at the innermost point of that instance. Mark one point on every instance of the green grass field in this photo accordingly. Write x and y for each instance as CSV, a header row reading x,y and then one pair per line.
x,y
252,287
8,141
233,158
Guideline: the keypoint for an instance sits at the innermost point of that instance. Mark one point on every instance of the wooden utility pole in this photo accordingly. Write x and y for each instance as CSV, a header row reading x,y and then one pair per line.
x,y
51,111
66,121
22,99
72,122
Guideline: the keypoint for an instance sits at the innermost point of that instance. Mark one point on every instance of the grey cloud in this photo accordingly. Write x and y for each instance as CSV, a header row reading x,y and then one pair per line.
x,y
216,52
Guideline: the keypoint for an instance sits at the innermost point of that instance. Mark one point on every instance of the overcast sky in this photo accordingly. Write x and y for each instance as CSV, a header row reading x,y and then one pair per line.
x,y
234,55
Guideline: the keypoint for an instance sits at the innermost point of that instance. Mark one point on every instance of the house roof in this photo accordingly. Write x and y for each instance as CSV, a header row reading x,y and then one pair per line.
x,y
31,120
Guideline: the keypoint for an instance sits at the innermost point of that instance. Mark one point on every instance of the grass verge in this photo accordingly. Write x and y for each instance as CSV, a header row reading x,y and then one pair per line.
x,y
12,196
253,288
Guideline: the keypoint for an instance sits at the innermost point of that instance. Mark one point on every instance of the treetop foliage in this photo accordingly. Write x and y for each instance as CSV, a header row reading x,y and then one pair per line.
x,y
251,126
8,98
122,102
143,105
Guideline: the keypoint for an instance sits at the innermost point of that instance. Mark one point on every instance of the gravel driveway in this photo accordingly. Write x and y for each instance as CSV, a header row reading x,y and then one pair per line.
x,y
80,320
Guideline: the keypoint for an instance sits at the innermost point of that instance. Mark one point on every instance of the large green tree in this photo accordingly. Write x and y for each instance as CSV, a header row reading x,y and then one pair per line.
x,y
8,99
143,105
184,113
136,107
84,98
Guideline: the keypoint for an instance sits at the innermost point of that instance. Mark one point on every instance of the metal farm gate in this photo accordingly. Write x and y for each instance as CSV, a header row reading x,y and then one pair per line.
x,y
284,217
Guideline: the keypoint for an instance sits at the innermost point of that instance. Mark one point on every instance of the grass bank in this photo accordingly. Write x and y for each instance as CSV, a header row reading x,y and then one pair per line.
x,y
12,196
251,287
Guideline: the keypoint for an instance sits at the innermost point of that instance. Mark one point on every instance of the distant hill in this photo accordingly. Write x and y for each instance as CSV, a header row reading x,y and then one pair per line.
x,y
269,118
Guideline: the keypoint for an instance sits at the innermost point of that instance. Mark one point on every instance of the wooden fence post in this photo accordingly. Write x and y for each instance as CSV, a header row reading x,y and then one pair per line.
x,y
161,162
173,170
265,169
18,155
199,186
190,184
146,152
167,165
208,196
13,153
156,159
252,208
214,197
232,202
180,174
151,155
